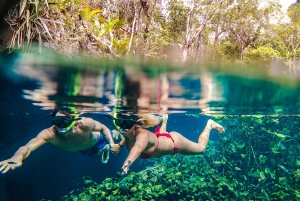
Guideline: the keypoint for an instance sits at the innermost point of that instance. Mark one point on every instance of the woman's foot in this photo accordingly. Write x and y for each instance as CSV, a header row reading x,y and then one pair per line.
x,y
216,126
163,120
164,117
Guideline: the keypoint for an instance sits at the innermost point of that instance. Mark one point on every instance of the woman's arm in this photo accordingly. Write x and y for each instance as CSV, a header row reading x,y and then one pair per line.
x,y
139,146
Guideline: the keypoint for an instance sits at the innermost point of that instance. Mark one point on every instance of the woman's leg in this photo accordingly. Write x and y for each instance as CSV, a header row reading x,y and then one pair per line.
x,y
191,148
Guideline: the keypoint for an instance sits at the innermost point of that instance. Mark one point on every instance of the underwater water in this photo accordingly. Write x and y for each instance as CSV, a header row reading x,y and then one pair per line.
x,y
256,159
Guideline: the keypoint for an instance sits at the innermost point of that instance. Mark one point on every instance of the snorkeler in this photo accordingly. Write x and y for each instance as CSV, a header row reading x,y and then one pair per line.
x,y
71,133
145,144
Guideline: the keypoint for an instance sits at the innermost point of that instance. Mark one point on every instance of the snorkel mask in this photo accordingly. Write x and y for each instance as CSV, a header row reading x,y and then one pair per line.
x,y
124,122
63,123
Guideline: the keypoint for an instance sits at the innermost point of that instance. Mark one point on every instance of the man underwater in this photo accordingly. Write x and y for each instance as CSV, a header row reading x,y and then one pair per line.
x,y
71,133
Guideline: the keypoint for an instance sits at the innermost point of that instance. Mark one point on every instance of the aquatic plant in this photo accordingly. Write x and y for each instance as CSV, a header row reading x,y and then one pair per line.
x,y
243,165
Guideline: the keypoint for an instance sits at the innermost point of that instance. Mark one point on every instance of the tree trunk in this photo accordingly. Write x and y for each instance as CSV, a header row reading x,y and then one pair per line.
x,y
199,51
217,35
186,45
198,34
145,6
133,27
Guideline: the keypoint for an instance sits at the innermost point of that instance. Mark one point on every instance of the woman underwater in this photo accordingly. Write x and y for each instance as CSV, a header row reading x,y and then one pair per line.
x,y
145,144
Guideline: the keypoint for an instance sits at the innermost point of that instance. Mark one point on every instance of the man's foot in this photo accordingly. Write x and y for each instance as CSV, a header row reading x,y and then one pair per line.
x,y
216,126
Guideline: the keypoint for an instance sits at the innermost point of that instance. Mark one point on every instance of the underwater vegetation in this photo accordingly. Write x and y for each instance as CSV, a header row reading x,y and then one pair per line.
x,y
257,159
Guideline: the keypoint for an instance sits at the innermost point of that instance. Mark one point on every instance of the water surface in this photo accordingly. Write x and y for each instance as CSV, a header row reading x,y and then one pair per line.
x,y
258,106
93,85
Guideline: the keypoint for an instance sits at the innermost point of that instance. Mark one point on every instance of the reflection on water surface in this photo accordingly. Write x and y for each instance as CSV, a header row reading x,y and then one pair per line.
x,y
154,87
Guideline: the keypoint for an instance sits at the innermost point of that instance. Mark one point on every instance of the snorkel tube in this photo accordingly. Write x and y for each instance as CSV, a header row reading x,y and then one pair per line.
x,y
119,90
121,130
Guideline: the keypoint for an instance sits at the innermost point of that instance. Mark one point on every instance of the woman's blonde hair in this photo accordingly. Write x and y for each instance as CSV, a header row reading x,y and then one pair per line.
x,y
148,120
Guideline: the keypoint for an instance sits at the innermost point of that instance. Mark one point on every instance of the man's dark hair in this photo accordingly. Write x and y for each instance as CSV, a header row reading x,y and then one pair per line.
x,y
66,110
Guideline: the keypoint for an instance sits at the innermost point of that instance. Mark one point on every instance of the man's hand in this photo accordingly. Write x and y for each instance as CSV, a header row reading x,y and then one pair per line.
x,y
115,148
8,164
126,167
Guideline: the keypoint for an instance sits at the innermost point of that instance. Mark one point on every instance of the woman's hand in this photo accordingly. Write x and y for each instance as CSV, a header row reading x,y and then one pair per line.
x,y
8,164
126,167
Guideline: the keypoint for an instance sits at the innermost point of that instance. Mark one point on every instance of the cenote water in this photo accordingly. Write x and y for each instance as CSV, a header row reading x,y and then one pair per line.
x,y
257,158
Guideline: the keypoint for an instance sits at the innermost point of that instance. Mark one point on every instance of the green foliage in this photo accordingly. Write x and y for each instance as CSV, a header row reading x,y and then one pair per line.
x,y
229,50
293,13
27,23
88,14
177,19
255,160
121,45
262,53
200,30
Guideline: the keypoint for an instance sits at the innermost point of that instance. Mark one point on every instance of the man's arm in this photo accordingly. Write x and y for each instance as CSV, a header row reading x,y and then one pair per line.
x,y
139,146
23,152
105,131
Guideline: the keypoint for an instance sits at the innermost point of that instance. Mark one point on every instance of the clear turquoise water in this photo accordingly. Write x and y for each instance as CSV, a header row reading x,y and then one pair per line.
x,y
34,84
